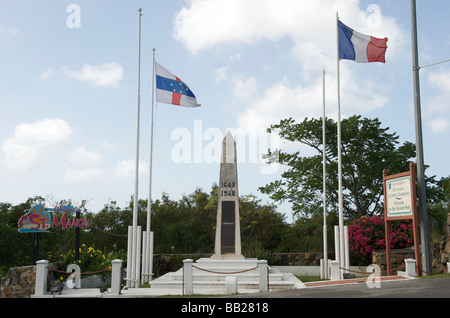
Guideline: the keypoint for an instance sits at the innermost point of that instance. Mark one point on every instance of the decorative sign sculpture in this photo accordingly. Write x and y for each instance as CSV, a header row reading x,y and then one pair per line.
x,y
38,219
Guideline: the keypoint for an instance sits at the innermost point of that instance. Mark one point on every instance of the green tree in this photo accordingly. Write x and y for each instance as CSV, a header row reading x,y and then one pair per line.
x,y
260,223
367,149
439,208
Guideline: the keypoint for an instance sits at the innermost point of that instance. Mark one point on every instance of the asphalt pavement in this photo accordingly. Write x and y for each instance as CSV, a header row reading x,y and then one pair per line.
x,y
416,288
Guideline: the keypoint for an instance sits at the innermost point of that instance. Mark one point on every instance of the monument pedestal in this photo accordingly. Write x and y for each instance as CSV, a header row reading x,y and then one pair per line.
x,y
210,275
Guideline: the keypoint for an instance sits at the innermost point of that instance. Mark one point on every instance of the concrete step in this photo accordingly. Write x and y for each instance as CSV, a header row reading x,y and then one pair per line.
x,y
242,284
216,276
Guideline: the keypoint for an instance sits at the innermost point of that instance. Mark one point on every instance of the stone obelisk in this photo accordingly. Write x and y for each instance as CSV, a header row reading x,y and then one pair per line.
x,y
228,230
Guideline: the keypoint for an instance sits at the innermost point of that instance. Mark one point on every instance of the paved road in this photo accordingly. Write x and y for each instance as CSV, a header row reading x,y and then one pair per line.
x,y
418,288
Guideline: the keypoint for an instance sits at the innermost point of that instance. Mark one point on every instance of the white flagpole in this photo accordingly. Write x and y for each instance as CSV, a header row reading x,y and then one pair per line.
x,y
341,216
136,176
325,243
149,252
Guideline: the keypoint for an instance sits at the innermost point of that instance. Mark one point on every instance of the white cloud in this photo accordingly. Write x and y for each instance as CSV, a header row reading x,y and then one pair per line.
x,y
7,33
30,142
439,102
126,169
108,145
311,27
259,107
47,74
221,74
83,157
441,79
205,24
439,126
84,175
107,74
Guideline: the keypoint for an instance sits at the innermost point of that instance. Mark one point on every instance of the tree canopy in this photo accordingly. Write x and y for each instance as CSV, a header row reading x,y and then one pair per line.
x,y
367,149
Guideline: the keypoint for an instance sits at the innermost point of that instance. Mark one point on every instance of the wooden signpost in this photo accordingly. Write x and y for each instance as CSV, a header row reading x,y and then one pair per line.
x,y
400,204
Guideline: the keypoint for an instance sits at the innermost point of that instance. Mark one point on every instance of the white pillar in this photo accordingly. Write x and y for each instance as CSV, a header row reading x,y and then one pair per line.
x,y
337,253
137,264
129,255
150,265
144,277
40,287
147,257
263,273
188,277
335,271
116,276
231,285
410,265
448,267
346,249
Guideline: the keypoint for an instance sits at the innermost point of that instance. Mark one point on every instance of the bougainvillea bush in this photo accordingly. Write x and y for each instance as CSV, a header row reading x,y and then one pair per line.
x,y
366,235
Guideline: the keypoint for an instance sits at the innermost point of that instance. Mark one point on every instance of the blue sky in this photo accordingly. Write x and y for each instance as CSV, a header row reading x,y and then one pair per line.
x,y
68,81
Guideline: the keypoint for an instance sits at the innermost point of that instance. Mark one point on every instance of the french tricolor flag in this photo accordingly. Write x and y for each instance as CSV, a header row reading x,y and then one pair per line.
x,y
171,90
359,47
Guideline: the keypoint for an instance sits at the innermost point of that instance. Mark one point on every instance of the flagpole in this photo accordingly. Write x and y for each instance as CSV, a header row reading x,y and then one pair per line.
x,y
136,176
149,252
325,240
339,253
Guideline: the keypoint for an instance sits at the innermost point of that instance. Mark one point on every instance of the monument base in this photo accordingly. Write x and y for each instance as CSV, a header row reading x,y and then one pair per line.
x,y
227,257
210,276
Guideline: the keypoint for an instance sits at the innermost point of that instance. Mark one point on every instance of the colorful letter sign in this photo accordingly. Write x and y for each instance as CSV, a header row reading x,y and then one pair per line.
x,y
36,220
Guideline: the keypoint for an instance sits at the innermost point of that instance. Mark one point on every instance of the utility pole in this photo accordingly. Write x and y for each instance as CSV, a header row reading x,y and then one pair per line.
x,y
423,213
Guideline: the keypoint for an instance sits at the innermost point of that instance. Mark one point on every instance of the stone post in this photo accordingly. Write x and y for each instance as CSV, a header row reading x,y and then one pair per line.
x,y
263,275
335,271
410,265
231,285
116,276
188,277
40,288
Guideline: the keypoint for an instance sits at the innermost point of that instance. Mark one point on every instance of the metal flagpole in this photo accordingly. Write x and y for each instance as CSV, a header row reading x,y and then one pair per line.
x,y
325,242
134,278
341,216
424,221
149,252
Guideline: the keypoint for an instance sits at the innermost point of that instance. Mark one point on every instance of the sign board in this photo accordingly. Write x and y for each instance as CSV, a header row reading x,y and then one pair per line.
x,y
399,197
38,219
399,204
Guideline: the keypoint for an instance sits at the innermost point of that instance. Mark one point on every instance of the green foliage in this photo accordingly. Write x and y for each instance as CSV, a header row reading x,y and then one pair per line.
x,y
255,249
367,149
306,235
180,226
439,208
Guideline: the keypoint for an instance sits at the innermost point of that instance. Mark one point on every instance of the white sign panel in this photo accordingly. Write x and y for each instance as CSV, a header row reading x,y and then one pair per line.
x,y
399,197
